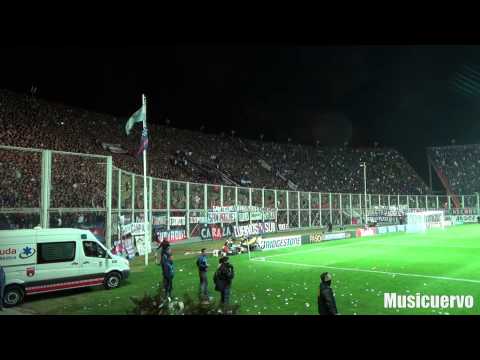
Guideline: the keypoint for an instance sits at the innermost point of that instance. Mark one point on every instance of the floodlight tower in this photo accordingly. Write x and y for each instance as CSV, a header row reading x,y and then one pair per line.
x,y
364,165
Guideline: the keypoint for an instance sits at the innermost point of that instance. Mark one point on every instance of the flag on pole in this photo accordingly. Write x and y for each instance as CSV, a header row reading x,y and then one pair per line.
x,y
143,142
138,117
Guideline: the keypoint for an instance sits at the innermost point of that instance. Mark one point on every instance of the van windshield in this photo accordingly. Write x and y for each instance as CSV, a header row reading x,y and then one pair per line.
x,y
93,249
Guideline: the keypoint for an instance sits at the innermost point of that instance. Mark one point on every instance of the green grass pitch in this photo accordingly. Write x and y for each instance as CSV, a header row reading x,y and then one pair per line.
x,y
285,281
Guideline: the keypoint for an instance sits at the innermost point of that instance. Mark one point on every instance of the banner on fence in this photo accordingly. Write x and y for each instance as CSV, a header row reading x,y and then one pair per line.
x,y
336,236
365,232
254,229
316,238
243,216
282,227
198,219
221,217
133,229
462,211
171,235
215,232
174,220
114,148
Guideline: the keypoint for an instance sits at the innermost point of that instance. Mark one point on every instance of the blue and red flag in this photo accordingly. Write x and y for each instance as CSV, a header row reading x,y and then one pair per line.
x,y
143,142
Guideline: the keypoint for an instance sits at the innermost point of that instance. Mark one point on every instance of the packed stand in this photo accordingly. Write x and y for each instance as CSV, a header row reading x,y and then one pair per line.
x,y
173,154
460,165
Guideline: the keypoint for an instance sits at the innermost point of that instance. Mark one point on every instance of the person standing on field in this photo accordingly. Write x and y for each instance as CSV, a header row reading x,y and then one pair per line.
x,y
168,273
165,255
223,280
326,299
202,265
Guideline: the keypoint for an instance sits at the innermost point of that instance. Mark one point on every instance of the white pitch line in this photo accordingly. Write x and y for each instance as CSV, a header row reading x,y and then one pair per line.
x,y
373,271
319,248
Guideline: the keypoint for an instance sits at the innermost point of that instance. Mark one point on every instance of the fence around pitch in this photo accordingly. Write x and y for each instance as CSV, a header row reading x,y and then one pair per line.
x,y
61,189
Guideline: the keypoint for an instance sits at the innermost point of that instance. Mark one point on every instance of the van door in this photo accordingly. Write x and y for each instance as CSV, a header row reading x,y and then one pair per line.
x,y
57,267
93,263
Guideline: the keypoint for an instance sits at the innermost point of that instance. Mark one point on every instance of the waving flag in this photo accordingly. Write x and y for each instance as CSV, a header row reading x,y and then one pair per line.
x,y
137,117
141,116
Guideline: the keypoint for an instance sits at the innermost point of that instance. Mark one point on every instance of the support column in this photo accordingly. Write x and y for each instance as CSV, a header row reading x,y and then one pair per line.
x,y
362,207
187,214
250,203
168,204
351,209
133,198
119,202
299,209
288,211
463,201
388,199
426,202
263,204
221,204
276,206
108,205
330,206
416,201
119,198
236,204
205,200
438,207
320,207
309,209
341,210
46,184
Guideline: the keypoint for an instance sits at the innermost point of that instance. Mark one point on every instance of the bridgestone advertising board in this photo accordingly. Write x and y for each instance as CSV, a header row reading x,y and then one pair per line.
x,y
280,242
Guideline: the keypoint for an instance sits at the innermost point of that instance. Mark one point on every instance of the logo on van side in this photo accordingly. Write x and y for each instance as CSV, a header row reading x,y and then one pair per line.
x,y
26,252
30,271
9,251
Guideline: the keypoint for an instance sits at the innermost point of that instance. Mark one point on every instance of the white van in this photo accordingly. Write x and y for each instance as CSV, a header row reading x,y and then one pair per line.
x,y
45,260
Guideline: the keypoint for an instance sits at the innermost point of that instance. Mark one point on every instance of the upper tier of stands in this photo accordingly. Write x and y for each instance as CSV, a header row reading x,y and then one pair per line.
x,y
176,154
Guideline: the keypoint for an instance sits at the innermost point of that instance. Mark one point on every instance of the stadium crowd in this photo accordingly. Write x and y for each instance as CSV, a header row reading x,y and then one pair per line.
x,y
460,165
176,154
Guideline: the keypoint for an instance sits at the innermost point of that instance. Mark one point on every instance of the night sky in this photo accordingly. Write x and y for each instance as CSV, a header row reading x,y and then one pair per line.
x,y
400,96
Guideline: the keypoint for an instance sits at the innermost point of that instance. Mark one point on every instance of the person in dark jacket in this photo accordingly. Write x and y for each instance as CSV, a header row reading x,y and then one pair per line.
x,y
165,252
2,286
326,300
168,273
223,280
202,265
329,227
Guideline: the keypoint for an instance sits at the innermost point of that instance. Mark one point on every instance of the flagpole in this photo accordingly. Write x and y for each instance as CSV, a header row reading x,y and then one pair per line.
x,y
147,237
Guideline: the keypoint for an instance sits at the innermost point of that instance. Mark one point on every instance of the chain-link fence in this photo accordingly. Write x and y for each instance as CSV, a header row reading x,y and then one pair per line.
x,y
55,189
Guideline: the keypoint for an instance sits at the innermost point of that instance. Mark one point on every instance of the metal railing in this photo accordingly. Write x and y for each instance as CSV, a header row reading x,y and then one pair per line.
x,y
62,189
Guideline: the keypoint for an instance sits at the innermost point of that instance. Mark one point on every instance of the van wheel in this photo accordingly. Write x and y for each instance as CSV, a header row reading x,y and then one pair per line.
x,y
112,280
13,296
